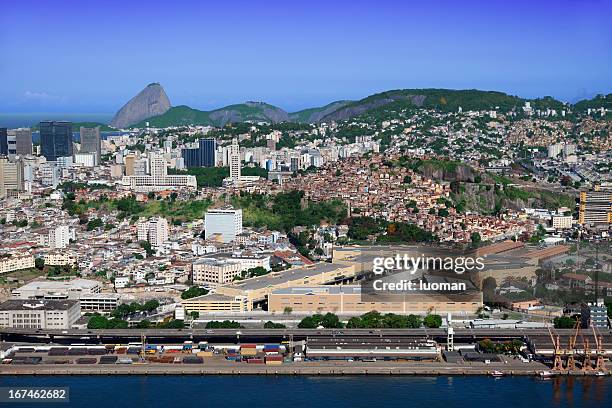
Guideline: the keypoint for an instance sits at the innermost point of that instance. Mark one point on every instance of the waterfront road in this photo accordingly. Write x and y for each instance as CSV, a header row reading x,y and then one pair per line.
x,y
512,367
11,334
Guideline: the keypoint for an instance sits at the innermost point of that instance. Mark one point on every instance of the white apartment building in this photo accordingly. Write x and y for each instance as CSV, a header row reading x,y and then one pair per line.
x,y
225,222
154,231
59,237
39,314
562,221
234,161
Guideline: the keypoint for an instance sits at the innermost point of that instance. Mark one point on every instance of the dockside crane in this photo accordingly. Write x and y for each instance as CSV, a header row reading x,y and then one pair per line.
x,y
557,353
600,364
571,350
586,360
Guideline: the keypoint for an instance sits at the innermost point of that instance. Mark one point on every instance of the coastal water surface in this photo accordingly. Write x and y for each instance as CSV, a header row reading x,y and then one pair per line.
x,y
321,392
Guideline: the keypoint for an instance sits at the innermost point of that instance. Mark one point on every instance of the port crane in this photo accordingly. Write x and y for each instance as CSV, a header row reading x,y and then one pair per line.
x,y
557,352
600,364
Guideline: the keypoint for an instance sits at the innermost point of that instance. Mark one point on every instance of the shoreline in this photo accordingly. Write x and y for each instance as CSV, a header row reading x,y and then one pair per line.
x,y
201,369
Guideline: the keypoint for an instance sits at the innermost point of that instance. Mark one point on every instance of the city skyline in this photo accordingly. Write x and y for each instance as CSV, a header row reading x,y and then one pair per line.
x,y
296,58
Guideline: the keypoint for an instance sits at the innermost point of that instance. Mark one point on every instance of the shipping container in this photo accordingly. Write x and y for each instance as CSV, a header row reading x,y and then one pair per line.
x,y
86,360
255,361
192,360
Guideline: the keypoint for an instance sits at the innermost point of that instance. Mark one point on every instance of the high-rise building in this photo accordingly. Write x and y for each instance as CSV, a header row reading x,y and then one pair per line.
x,y
154,231
55,139
11,177
129,161
158,179
3,142
225,222
23,141
203,155
595,207
59,237
234,161
91,142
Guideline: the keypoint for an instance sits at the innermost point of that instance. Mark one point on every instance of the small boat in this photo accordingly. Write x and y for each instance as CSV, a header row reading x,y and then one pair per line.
x,y
600,374
546,374
496,373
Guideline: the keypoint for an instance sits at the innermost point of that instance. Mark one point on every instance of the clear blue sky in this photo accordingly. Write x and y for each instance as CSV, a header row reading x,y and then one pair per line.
x,y
76,56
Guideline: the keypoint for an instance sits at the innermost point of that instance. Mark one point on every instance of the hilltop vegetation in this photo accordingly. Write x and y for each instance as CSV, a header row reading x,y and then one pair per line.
x,y
444,100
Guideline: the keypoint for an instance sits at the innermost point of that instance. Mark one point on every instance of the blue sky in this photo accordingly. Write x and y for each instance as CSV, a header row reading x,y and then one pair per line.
x,y
73,56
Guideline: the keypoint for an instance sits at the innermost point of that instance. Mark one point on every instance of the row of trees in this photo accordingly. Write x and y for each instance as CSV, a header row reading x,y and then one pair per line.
x,y
98,321
226,324
371,320
508,347
127,309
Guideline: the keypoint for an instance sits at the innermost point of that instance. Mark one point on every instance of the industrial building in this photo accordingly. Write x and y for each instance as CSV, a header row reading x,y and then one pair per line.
x,y
39,314
60,289
348,299
212,303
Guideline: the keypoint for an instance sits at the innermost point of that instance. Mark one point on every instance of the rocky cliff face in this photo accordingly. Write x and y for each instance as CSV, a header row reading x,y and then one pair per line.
x,y
151,101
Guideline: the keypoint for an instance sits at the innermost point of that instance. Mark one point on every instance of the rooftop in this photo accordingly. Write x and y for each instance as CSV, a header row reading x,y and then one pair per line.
x,y
17,304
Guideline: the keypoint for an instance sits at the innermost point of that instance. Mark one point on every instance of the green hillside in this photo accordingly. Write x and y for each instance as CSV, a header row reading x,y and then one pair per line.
x,y
599,101
307,115
249,111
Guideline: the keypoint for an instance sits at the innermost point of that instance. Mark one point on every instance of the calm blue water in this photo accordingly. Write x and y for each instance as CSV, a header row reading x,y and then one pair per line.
x,y
323,392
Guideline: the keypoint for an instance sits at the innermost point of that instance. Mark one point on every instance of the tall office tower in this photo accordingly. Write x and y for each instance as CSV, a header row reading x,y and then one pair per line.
x,y
11,177
159,168
595,207
226,222
154,231
56,139
60,237
129,161
91,142
234,160
203,155
23,141
3,142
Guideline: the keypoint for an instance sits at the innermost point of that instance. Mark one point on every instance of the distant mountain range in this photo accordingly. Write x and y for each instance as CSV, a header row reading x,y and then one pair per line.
x,y
153,106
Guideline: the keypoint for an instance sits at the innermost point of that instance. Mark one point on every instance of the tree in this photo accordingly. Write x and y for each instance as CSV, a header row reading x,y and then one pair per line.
x,y
226,324
564,322
94,224
147,247
475,237
432,321
287,310
150,305
192,292
272,325
39,263
144,324
97,322
195,314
